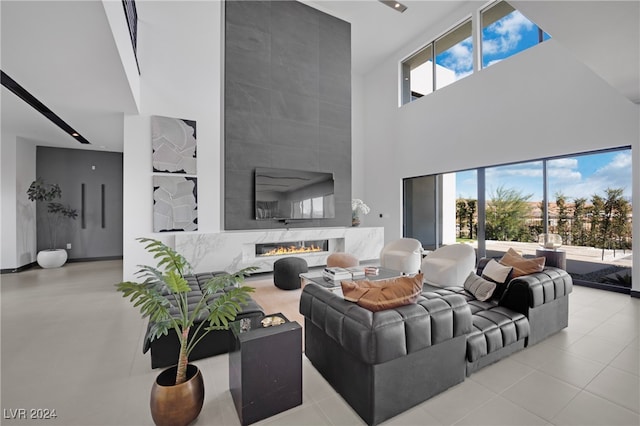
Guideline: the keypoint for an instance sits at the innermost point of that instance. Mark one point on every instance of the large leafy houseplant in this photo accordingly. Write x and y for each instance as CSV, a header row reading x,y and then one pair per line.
x,y
165,286
39,190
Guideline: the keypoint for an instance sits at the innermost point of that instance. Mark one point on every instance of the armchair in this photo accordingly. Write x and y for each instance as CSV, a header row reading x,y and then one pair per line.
x,y
402,255
449,265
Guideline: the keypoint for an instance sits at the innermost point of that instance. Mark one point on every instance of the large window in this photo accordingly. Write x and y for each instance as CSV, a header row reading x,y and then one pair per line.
x,y
585,198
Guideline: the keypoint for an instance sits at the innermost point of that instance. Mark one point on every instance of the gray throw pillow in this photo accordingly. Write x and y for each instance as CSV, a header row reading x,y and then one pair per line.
x,y
479,287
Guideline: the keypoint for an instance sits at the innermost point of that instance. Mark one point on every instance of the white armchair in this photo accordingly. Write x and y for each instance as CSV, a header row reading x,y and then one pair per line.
x,y
449,265
402,255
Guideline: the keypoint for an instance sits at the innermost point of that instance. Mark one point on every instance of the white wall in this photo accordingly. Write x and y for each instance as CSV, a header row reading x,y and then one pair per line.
x,y
26,237
541,102
449,209
8,201
18,214
180,55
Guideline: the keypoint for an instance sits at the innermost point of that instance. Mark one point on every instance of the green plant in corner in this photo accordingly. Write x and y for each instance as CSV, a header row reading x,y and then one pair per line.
x,y
623,280
39,190
165,286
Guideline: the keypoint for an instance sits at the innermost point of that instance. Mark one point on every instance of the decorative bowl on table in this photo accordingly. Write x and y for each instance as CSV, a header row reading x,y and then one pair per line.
x,y
550,241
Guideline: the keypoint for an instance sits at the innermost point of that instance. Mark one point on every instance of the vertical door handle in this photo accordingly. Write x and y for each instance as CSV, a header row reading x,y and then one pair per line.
x,y
83,222
102,206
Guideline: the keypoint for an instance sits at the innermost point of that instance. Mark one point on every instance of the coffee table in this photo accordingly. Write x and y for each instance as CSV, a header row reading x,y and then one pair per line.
x,y
316,277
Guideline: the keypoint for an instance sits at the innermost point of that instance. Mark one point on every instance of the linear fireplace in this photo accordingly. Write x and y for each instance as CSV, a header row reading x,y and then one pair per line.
x,y
294,247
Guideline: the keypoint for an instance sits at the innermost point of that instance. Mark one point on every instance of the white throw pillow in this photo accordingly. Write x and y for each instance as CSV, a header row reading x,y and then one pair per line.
x,y
479,287
496,272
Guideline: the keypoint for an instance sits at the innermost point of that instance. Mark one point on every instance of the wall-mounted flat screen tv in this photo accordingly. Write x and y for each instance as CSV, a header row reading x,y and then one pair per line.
x,y
293,194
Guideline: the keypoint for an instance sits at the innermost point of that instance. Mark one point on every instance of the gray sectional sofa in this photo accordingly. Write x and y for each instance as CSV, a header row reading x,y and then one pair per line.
x,y
383,363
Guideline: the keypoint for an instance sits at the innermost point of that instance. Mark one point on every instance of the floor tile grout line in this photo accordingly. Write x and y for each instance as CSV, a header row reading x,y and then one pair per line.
x,y
612,402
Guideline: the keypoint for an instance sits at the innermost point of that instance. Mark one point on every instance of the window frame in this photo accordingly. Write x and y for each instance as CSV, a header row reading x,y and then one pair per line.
x,y
405,83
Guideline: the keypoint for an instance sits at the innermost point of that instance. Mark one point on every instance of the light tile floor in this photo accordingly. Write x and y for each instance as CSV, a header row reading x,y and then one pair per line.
x,y
71,343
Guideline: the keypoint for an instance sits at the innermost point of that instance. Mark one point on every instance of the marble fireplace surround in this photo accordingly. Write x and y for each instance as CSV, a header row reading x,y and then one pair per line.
x,y
233,250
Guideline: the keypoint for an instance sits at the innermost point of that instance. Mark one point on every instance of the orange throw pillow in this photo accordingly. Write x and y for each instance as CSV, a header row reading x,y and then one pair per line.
x,y
520,265
383,294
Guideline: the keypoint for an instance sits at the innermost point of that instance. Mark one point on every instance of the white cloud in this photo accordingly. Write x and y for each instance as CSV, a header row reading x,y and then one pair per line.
x,y
459,58
621,162
508,33
563,163
511,24
614,174
565,175
563,171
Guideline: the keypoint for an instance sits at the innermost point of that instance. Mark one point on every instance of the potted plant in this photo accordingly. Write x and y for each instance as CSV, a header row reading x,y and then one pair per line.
x,y
358,207
179,390
39,190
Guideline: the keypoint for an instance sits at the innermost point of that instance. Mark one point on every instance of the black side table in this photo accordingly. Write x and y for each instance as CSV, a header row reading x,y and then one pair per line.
x,y
265,368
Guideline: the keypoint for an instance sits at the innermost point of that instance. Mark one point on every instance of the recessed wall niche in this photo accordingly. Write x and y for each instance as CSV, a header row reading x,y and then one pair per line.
x,y
287,103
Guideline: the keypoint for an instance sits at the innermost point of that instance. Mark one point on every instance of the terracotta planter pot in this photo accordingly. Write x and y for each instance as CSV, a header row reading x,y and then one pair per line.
x,y
177,405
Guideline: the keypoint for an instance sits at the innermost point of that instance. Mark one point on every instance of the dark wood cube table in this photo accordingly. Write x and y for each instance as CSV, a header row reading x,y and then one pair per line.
x,y
265,368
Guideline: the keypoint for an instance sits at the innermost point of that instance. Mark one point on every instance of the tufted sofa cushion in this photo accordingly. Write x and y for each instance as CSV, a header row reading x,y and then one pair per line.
x,y
494,329
531,291
378,337
494,326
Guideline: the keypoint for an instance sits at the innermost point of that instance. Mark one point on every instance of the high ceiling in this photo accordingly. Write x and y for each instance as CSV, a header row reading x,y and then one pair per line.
x,y
63,52
378,31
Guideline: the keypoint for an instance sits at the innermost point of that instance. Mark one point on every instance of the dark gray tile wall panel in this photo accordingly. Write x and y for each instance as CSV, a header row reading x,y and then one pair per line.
x,y
287,103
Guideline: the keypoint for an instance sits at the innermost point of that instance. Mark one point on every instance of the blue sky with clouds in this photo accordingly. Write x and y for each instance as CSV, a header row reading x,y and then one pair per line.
x,y
503,38
576,177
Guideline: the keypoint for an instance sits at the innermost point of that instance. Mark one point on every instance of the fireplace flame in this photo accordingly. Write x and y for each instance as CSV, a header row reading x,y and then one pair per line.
x,y
292,250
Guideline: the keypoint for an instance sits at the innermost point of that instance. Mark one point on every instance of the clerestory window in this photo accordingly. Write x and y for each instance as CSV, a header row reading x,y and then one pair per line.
x,y
422,73
504,32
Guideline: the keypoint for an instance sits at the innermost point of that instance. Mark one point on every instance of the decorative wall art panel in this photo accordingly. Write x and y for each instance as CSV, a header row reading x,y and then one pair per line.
x,y
175,205
174,145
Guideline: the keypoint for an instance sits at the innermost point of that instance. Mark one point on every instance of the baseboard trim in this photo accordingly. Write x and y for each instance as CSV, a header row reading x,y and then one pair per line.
x,y
635,293
602,286
18,269
94,259
35,264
